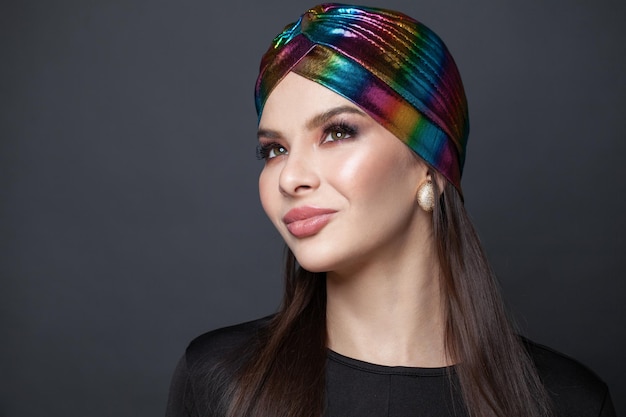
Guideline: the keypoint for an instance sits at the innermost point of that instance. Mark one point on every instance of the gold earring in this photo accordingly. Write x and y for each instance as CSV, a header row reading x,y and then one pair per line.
x,y
426,196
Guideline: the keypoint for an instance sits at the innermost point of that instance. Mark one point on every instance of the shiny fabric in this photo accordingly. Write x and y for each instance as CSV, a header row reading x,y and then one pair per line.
x,y
393,67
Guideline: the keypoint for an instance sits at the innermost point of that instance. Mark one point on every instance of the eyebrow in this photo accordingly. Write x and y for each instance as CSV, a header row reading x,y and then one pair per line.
x,y
314,122
322,118
269,134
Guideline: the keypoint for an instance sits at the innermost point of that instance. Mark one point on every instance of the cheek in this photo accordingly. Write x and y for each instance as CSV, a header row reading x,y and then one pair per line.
x,y
266,193
372,172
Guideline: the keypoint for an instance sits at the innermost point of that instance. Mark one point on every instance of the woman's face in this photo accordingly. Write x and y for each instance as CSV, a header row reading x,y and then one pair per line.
x,y
339,187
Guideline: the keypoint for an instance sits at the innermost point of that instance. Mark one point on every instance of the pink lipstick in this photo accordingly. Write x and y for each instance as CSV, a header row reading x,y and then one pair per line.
x,y
307,221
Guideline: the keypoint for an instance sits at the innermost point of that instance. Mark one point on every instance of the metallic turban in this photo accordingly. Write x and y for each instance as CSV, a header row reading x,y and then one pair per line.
x,y
391,66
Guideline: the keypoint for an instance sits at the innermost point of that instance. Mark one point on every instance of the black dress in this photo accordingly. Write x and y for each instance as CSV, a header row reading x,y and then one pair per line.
x,y
361,389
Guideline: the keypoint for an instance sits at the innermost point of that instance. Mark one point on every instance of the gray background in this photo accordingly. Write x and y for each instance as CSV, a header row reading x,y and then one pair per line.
x,y
130,219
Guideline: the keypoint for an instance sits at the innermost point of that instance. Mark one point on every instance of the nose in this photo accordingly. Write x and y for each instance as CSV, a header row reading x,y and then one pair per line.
x,y
298,174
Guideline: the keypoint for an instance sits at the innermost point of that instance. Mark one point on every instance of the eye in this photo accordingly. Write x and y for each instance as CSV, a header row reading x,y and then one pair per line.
x,y
339,132
270,151
276,151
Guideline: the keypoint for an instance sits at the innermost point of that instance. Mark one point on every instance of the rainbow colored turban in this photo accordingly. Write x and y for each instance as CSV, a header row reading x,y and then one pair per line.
x,y
393,67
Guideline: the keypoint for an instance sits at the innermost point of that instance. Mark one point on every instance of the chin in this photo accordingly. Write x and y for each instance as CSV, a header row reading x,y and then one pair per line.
x,y
313,265
321,261
315,261
318,253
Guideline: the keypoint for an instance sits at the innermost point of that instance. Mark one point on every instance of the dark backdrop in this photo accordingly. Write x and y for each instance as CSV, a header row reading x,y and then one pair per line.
x,y
130,220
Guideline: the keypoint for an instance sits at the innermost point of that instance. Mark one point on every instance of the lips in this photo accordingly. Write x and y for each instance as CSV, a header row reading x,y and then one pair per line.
x,y
307,221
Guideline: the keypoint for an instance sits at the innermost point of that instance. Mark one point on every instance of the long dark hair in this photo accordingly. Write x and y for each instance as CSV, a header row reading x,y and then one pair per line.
x,y
285,373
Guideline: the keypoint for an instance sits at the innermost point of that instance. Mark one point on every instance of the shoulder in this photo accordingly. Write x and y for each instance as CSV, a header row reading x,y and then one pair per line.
x,y
574,388
218,345
207,366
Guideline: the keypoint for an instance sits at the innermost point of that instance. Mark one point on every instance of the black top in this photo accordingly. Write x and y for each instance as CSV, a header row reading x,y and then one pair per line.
x,y
361,389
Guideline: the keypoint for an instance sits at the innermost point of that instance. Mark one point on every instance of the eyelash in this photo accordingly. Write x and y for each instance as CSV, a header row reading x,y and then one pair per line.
x,y
263,151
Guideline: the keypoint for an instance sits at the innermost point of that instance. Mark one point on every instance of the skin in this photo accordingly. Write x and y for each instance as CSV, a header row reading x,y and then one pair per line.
x,y
377,249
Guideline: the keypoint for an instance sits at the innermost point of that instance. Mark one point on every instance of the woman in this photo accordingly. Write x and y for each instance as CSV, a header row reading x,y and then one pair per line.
x,y
390,307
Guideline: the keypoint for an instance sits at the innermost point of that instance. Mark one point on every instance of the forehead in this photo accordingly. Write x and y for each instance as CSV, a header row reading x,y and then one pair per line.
x,y
296,98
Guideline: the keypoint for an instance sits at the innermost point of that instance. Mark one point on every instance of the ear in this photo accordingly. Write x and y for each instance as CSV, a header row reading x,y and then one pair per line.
x,y
439,179
432,175
428,173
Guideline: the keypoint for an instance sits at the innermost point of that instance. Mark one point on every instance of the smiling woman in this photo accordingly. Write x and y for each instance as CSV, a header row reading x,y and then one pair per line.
x,y
390,307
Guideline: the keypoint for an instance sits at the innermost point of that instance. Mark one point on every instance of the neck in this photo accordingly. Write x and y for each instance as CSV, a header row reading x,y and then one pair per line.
x,y
388,314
